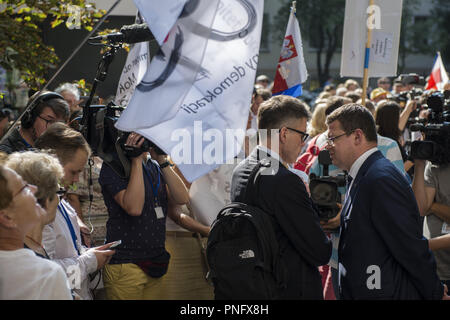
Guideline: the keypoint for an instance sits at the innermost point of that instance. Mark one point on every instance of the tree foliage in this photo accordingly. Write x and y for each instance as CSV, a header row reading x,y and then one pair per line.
x,y
440,35
322,21
21,40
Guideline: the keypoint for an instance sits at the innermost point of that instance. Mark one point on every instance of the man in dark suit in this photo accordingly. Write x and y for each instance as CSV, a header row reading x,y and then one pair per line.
x,y
283,195
382,253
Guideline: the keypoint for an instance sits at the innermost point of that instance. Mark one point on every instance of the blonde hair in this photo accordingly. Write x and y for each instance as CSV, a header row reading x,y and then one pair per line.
x,y
350,82
5,192
318,124
39,168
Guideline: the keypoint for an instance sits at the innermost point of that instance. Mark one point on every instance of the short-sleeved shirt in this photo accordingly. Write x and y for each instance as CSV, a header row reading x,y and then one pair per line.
x,y
143,237
438,177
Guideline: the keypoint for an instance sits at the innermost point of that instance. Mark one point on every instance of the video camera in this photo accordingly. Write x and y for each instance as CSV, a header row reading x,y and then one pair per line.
x,y
436,146
109,143
324,189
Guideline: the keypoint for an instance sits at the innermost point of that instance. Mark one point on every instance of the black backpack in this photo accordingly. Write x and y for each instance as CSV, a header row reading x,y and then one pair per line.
x,y
242,250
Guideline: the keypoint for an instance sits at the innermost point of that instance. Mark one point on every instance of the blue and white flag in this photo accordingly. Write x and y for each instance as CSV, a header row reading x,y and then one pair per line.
x,y
195,98
291,69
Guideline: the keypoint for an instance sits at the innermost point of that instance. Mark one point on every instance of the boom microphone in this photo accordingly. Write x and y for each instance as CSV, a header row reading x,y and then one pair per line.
x,y
133,33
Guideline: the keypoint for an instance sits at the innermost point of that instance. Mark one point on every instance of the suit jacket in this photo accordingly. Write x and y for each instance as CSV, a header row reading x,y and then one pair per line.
x,y
303,244
382,253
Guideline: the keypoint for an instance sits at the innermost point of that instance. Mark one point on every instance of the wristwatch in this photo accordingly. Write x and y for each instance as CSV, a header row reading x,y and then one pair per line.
x,y
166,164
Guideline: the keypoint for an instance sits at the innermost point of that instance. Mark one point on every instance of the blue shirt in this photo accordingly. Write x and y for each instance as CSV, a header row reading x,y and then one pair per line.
x,y
143,237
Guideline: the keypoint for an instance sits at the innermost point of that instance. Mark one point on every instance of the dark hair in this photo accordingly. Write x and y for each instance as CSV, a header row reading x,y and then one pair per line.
x,y
383,79
369,105
63,140
275,112
335,102
5,113
352,95
59,106
387,116
354,116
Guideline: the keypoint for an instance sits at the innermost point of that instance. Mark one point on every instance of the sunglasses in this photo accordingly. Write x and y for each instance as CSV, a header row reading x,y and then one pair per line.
x,y
304,134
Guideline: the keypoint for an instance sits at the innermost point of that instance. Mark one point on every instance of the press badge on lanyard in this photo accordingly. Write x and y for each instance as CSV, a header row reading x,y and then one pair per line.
x,y
158,209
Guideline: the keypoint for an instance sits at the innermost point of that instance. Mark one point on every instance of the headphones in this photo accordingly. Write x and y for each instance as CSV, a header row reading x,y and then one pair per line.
x,y
30,115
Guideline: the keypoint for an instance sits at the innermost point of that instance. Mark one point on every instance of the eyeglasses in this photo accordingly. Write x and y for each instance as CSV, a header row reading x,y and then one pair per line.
x,y
304,134
47,121
330,140
25,186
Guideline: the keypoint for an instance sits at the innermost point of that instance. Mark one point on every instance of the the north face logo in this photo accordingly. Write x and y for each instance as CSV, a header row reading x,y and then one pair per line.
x,y
247,254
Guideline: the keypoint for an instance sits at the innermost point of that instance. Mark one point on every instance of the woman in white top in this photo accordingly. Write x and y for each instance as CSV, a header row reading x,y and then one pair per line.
x,y
24,275
44,171
61,238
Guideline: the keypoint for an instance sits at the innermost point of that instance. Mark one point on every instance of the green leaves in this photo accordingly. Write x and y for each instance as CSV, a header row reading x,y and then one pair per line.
x,y
22,22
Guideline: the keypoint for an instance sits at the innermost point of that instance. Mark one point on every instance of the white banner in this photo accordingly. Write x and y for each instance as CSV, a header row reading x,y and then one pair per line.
x,y
385,23
172,71
135,67
210,193
210,119
160,15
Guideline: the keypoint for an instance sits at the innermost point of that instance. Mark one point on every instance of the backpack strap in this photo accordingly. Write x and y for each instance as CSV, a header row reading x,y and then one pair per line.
x,y
267,233
251,188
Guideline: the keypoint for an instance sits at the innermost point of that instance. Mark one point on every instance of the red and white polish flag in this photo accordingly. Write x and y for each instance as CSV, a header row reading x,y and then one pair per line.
x,y
438,76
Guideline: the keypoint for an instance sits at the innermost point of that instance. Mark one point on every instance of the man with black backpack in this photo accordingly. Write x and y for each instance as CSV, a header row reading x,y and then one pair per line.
x,y
280,259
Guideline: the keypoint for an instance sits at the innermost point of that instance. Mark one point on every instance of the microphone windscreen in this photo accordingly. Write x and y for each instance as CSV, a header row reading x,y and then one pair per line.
x,y
136,33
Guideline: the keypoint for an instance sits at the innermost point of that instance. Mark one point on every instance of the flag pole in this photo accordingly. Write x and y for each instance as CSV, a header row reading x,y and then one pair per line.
x,y
366,61
294,5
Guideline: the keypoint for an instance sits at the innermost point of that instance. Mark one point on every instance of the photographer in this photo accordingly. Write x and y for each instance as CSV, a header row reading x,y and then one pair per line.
x,y
137,208
431,186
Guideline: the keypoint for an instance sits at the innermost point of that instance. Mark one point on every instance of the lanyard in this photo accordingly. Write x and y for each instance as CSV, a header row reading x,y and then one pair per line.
x,y
29,146
69,224
154,190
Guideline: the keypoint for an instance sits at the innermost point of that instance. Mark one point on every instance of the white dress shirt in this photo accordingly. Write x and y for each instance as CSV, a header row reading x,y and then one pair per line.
x,y
57,241
25,276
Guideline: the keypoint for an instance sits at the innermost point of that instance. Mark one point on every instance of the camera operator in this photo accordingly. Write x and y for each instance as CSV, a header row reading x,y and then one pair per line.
x,y
431,186
137,208
49,107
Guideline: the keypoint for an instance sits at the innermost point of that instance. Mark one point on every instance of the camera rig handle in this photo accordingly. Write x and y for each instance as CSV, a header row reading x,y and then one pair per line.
x,y
102,72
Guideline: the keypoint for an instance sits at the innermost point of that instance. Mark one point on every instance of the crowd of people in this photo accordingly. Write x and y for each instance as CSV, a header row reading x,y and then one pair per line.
x,y
63,210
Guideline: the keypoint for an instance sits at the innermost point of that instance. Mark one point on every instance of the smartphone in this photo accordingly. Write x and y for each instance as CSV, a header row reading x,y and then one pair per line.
x,y
115,244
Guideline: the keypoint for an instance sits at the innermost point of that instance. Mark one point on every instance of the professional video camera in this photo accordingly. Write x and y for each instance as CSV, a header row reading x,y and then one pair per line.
x,y
436,146
109,143
324,189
